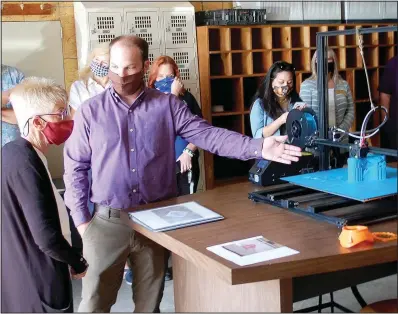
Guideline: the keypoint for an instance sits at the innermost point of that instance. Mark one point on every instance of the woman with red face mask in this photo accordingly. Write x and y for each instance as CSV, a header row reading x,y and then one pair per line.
x,y
39,259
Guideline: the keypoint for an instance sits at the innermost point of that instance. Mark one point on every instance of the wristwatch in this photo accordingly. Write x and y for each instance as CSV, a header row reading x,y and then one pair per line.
x,y
189,152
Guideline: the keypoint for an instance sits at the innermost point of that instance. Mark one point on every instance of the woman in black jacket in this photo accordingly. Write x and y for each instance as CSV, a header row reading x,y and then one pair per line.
x,y
165,77
35,254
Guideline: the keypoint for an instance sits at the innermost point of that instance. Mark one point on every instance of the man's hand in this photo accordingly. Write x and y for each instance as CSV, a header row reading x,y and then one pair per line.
x,y
275,149
82,228
185,162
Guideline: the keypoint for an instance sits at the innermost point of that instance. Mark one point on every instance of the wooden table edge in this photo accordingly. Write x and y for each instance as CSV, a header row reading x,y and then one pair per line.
x,y
185,251
285,270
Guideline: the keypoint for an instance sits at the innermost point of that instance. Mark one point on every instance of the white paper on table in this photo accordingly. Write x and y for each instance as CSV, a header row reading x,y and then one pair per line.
x,y
174,216
251,251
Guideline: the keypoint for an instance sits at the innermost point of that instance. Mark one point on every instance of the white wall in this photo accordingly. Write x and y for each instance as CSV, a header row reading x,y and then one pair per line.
x,y
36,49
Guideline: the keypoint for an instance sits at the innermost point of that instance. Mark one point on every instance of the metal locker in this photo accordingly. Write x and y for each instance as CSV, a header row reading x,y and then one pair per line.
x,y
179,29
193,88
103,27
364,11
144,25
152,55
186,61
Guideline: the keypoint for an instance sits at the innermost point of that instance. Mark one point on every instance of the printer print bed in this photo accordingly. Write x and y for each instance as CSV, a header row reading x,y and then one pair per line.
x,y
336,182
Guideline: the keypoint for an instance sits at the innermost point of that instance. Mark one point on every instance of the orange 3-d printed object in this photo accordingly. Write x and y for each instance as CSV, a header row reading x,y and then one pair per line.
x,y
384,236
353,235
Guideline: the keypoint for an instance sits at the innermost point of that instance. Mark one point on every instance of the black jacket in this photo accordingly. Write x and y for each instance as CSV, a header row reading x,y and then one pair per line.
x,y
35,255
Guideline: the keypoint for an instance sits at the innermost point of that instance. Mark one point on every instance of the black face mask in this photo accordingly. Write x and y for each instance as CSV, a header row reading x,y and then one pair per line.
x,y
331,67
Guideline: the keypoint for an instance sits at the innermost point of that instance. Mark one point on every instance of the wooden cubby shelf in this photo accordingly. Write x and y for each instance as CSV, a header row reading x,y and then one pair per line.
x,y
261,61
220,64
261,38
233,61
250,85
227,93
246,122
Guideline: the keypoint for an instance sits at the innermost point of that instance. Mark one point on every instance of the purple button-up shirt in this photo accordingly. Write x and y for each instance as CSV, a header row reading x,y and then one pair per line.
x,y
130,150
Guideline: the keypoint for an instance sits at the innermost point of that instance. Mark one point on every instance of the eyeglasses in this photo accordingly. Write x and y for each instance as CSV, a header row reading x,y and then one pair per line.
x,y
63,114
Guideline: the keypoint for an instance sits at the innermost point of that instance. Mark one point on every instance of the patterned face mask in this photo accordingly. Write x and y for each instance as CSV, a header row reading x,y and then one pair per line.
x,y
282,91
99,69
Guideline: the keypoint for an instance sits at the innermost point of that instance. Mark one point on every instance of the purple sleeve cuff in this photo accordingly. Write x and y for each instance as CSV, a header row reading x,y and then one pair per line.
x,y
256,148
81,217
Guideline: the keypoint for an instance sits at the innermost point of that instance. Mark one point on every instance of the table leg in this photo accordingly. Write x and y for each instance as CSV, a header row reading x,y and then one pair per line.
x,y
197,290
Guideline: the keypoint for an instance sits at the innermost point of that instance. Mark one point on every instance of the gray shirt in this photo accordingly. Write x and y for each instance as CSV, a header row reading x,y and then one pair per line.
x,y
344,104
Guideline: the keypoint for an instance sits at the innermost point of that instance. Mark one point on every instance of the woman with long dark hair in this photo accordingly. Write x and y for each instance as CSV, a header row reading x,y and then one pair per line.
x,y
273,100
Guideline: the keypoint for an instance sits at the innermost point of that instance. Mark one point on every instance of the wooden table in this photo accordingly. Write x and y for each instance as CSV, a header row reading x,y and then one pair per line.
x,y
205,282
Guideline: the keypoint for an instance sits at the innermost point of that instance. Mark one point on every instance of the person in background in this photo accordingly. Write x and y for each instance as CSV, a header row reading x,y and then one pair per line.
x,y
93,78
126,135
165,77
35,226
389,99
273,100
10,77
340,106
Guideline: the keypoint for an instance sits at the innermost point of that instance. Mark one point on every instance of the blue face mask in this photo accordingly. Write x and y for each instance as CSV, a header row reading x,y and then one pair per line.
x,y
164,85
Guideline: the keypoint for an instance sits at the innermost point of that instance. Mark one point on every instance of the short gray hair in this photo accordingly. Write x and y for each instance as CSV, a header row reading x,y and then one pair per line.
x,y
35,96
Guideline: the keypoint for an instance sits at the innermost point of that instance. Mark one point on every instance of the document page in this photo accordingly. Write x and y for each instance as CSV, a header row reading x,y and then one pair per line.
x,y
251,251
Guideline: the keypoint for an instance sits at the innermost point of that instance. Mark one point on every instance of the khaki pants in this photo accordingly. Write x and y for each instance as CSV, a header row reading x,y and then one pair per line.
x,y
108,243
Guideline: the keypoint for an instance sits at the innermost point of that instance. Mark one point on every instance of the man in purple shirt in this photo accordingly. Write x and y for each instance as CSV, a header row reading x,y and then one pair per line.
x,y
126,136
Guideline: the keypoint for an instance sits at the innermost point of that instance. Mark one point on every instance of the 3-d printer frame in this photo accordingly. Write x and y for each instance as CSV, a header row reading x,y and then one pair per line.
x,y
324,160
322,83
